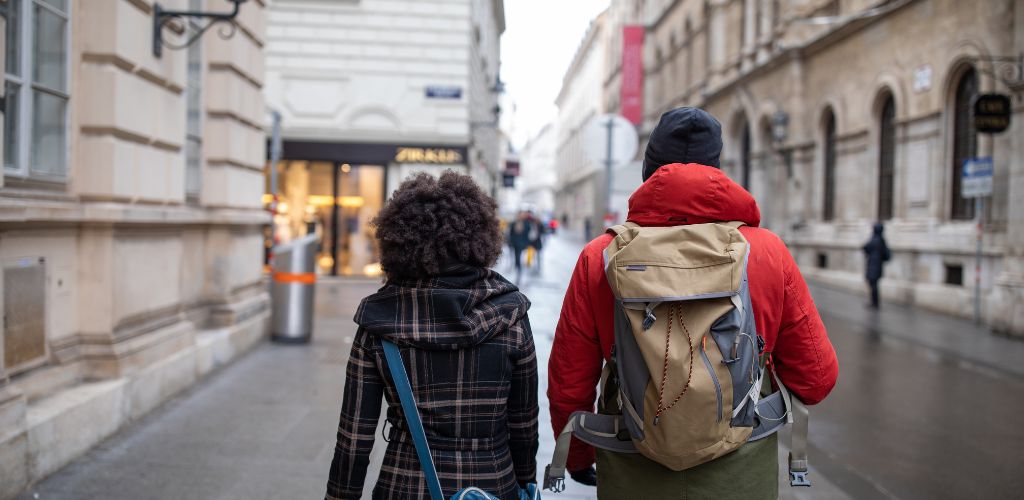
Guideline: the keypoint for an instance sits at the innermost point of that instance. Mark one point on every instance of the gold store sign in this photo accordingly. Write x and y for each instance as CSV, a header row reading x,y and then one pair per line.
x,y
428,155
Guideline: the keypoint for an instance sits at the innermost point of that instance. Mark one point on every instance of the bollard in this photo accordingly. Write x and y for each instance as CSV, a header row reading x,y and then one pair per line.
x,y
292,288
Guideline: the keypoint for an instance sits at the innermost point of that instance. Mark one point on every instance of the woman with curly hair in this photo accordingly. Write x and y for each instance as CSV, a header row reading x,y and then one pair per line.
x,y
465,340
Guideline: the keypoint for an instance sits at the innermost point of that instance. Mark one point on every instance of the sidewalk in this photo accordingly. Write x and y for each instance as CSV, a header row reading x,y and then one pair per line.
x,y
264,427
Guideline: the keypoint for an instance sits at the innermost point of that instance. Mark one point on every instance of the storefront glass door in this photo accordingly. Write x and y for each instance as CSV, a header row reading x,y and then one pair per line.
x,y
335,201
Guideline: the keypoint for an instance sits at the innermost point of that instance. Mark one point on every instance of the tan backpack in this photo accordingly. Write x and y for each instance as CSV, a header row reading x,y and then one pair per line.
x,y
686,360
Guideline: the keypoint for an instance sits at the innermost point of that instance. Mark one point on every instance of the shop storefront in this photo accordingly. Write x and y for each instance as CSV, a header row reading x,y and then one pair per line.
x,y
334,190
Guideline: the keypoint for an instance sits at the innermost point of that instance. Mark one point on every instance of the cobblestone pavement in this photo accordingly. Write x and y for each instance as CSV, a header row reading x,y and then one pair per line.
x,y
925,408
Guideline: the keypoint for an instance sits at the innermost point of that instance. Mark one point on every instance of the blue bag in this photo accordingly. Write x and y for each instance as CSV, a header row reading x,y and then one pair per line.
x,y
419,437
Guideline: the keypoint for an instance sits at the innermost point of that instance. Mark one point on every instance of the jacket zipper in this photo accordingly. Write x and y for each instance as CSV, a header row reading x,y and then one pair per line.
x,y
714,378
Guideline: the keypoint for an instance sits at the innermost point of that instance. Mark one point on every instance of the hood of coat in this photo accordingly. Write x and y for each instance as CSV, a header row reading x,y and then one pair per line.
x,y
679,194
462,307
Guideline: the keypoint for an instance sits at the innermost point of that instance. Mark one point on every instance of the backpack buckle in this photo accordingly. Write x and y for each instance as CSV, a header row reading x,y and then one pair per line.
x,y
649,317
798,470
555,484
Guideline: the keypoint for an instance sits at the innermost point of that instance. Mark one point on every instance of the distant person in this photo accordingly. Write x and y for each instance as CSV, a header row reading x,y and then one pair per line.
x,y
465,340
519,240
587,227
876,253
535,235
683,185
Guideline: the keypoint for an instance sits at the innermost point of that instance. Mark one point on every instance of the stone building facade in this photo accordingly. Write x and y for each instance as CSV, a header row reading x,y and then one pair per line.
x,y
371,92
580,185
130,218
837,114
538,177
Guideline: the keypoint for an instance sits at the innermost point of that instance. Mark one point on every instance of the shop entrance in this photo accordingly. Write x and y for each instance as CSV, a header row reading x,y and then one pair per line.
x,y
336,201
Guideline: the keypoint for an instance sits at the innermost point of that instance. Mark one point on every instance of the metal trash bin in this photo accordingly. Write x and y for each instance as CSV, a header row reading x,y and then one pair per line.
x,y
292,288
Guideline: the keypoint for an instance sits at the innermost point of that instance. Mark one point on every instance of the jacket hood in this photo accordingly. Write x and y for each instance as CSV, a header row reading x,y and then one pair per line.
x,y
678,194
462,307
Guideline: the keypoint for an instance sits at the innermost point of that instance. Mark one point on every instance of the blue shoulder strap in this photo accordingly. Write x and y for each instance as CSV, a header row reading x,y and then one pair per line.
x,y
412,417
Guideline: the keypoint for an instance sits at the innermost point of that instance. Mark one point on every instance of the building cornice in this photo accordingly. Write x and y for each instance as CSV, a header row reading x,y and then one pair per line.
x,y
20,210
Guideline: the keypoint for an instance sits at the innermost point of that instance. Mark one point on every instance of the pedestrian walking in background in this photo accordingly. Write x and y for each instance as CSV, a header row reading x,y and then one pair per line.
x,y
519,240
876,253
535,235
683,185
466,343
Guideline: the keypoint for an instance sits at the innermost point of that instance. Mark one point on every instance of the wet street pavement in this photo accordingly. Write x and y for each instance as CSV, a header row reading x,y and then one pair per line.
x,y
927,407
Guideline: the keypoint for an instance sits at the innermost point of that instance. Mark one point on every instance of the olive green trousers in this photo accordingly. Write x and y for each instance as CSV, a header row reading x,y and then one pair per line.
x,y
749,473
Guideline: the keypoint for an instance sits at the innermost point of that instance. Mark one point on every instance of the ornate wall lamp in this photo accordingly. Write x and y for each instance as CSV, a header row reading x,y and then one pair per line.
x,y
161,17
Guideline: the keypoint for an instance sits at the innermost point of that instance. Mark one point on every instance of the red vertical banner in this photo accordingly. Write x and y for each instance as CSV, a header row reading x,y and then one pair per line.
x,y
632,95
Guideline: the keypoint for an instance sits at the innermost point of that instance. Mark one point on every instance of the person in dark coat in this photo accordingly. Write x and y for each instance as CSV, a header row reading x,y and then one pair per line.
x,y
519,239
536,238
876,252
465,339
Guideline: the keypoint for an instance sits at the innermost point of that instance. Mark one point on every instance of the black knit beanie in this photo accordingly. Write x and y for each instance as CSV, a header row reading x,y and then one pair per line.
x,y
684,135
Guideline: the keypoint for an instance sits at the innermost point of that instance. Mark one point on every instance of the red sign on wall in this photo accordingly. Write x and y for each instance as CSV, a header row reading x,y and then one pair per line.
x,y
632,95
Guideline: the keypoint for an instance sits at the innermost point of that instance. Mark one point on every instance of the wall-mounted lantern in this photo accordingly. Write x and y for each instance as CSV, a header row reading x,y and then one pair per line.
x,y
161,17
780,127
780,132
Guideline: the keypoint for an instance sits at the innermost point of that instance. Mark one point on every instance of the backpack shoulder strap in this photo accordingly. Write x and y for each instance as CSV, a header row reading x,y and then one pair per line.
x,y
621,228
412,417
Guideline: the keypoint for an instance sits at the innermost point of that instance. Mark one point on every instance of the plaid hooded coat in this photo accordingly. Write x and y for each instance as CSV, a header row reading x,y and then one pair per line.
x,y
466,342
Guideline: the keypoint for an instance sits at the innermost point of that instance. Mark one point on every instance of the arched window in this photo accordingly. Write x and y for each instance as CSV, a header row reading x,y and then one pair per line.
x,y
965,141
745,155
886,158
829,209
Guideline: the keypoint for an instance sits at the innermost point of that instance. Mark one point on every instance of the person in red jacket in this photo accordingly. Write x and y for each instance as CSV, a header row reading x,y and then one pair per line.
x,y
683,185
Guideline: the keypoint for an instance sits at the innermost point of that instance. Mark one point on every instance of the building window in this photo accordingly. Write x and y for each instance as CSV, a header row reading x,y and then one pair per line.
x,y
954,274
36,84
822,260
965,141
745,155
829,209
886,158
194,114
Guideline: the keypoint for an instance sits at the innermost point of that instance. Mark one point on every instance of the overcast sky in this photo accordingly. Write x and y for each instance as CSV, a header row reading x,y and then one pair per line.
x,y
541,36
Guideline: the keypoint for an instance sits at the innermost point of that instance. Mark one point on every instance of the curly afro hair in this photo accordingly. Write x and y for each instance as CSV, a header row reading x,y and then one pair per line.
x,y
432,223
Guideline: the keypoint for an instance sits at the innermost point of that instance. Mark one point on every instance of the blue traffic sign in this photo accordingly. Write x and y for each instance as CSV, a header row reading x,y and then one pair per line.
x,y
977,177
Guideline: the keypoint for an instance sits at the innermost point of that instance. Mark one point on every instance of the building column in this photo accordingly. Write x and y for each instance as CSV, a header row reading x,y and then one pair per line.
x,y
750,24
1006,303
764,41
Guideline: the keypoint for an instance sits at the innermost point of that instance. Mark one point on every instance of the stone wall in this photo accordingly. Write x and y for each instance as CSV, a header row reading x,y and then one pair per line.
x,y
146,289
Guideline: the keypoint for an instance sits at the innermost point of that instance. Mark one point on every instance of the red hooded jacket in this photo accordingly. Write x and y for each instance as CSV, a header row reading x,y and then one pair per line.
x,y
675,195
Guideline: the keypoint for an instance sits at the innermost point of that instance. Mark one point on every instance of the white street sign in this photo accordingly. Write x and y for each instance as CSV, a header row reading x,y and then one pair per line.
x,y
623,138
977,178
